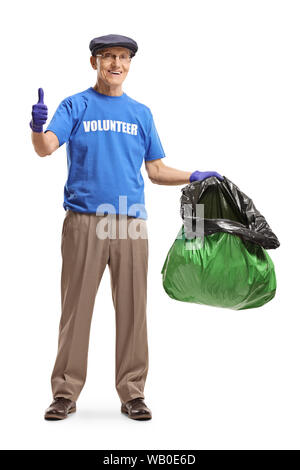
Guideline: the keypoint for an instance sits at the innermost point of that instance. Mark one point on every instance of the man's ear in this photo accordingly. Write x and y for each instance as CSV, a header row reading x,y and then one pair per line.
x,y
93,62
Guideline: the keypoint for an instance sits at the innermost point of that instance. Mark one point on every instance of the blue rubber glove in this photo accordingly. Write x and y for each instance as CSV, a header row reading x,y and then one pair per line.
x,y
201,175
39,113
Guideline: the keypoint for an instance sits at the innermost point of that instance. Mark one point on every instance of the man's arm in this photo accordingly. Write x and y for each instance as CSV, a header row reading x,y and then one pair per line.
x,y
44,143
159,173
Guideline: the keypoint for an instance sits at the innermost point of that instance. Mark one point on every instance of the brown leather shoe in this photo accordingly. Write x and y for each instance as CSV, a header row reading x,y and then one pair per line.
x,y
136,409
60,408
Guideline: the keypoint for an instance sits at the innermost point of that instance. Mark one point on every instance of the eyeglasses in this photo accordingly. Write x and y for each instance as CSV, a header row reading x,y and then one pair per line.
x,y
108,57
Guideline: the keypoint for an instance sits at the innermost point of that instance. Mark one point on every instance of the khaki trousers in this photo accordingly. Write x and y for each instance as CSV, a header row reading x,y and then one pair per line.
x,y
85,254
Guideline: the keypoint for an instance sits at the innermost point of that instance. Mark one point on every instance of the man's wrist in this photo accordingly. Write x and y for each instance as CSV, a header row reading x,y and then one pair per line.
x,y
35,128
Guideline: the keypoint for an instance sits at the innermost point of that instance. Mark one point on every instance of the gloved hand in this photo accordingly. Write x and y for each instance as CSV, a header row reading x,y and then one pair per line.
x,y
201,175
39,113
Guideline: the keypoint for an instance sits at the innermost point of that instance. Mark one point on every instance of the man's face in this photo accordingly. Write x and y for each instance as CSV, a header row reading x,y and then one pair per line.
x,y
113,65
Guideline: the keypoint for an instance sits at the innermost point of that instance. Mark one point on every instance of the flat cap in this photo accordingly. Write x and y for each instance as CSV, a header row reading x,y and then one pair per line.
x,y
113,40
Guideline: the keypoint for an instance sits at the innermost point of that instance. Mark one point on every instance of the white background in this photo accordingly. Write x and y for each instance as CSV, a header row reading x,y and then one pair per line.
x,y
222,81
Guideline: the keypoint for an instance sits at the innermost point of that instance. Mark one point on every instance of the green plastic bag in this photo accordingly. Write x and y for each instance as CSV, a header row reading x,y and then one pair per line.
x,y
223,269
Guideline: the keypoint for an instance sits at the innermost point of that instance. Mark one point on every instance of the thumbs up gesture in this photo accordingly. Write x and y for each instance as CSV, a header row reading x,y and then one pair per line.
x,y
39,113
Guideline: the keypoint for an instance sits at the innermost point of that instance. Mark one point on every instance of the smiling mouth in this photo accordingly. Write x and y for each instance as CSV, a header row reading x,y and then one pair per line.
x,y
114,72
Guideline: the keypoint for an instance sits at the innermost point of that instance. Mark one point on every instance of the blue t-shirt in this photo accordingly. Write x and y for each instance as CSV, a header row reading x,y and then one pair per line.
x,y
107,138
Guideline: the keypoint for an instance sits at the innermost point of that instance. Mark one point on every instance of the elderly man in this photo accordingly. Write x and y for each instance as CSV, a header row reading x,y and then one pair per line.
x,y
108,135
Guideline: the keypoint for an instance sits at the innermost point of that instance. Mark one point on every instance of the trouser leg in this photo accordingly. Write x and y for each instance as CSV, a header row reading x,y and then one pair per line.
x,y
128,265
84,260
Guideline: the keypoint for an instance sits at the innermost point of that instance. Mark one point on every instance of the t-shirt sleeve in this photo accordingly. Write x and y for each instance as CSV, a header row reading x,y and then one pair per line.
x,y
154,148
62,122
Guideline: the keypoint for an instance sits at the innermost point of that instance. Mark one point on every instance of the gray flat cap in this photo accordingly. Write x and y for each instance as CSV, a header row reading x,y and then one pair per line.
x,y
111,40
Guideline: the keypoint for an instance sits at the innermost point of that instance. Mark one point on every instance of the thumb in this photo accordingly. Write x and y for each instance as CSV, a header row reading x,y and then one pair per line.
x,y
41,96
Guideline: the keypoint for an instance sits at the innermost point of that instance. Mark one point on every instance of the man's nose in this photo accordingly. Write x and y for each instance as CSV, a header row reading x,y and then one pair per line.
x,y
116,60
